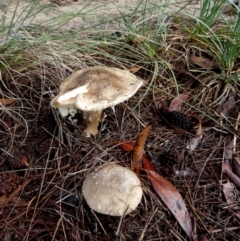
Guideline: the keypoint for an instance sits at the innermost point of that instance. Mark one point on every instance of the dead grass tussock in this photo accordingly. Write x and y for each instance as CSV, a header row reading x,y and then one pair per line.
x,y
51,206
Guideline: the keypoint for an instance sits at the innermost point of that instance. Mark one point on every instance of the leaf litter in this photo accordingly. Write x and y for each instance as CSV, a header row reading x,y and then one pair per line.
x,y
47,203
166,191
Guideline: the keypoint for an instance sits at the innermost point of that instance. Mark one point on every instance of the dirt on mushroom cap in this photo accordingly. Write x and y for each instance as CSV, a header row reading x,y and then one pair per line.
x,y
96,88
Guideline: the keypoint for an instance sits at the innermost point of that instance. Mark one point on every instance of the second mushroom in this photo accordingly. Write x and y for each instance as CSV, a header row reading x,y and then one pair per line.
x,y
93,89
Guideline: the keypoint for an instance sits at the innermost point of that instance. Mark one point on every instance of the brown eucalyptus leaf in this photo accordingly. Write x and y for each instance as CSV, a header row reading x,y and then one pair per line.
x,y
3,200
177,102
236,166
195,140
167,192
6,102
196,172
203,62
134,69
229,193
228,151
171,197
226,108
16,201
227,172
139,149
126,146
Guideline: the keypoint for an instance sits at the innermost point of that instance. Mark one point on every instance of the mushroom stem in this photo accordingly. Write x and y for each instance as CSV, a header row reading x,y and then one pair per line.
x,y
92,119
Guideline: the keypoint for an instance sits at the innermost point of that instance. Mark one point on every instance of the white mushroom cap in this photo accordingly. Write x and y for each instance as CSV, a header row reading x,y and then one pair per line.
x,y
96,88
113,190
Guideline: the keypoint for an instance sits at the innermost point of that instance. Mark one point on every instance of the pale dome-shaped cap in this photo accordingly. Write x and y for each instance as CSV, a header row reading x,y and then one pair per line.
x,y
113,190
96,88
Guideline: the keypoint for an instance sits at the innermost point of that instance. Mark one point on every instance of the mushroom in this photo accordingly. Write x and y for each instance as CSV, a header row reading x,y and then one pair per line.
x,y
113,190
93,89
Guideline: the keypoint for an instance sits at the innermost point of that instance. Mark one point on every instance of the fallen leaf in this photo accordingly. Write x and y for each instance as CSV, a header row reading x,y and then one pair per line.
x,y
3,200
195,140
177,102
16,201
139,149
6,102
167,192
233,181
227,169
236,166
203,62
227,107
228,151
6,124
126,146
227,172
197,172
229,193
171,197
204,238
13,195
134,69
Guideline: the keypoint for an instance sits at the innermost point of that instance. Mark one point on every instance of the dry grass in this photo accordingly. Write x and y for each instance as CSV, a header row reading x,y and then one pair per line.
x,y
48,203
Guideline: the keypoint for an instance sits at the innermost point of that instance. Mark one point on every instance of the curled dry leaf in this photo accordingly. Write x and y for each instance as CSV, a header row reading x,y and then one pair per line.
x,y
134,69
195,140
139,149
177,102
6,102
197,172
203,62
167,192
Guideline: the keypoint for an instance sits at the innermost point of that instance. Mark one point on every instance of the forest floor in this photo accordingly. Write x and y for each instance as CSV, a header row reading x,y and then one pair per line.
x,y
45,158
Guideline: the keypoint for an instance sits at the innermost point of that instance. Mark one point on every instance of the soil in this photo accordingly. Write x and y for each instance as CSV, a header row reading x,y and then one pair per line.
x,y
91,12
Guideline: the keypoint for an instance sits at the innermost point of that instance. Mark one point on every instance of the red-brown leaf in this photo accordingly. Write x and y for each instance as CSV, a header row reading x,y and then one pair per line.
x,y
126,146
177,102
171,197
203,62
134,69
139,149
167,192
236,166
6,102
